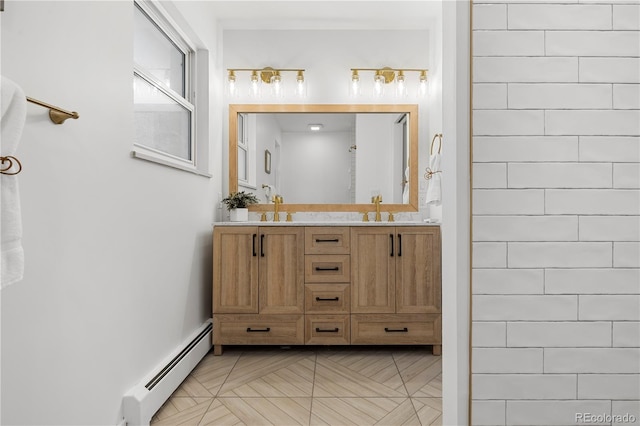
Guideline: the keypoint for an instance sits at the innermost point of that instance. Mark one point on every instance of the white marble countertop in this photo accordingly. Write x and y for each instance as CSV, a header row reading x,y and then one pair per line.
x,y
332,219
326,223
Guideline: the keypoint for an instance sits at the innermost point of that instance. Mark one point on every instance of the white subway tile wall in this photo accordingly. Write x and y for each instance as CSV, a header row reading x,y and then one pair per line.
x,y
553,412
556,212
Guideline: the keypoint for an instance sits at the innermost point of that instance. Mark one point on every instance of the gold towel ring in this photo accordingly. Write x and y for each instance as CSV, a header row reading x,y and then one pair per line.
x,y
430,173
439,136
5,169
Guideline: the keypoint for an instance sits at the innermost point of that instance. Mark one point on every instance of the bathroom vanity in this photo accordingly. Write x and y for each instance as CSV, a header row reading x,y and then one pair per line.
x,y
376,283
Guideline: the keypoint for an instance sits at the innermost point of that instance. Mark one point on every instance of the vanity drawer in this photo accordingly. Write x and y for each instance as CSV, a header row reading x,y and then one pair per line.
x,y
326,240
327,329
396,329
327,298
328,268
258,329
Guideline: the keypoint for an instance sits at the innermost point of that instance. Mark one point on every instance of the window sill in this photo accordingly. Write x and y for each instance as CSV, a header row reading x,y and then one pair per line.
x,y
142,156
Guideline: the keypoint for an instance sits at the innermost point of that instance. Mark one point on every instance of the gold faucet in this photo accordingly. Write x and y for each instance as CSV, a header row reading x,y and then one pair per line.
x,y
277,199
377,200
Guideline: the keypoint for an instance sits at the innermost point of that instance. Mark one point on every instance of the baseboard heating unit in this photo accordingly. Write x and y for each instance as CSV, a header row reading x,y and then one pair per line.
x,y
144,399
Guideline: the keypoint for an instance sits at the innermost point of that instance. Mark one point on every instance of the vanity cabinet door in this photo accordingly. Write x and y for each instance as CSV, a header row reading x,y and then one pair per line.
x,y
281,266
235,270
373,270
418,270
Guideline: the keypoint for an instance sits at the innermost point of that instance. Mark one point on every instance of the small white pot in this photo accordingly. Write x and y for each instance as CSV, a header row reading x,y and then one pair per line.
x,y
239,215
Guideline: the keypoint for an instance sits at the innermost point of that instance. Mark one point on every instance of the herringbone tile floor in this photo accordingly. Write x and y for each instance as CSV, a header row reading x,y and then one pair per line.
x,y
387,386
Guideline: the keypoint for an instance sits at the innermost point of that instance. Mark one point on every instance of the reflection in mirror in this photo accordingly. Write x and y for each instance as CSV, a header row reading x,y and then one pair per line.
x,y
325,157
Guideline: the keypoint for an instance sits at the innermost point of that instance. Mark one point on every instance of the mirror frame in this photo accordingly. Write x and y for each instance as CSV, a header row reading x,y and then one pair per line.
x,y
410,109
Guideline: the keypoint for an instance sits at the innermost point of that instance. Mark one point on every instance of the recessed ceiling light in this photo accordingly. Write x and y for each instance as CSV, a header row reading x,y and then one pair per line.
x,y
315,127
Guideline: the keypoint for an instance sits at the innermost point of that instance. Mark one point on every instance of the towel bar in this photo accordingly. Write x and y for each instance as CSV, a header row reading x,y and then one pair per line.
x,y
57,115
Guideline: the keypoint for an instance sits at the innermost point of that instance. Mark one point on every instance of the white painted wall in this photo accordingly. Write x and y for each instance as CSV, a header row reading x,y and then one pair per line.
x,y
455,210
118,250
117,269
267,133
556,299
263,132
315,167
375,157
327,57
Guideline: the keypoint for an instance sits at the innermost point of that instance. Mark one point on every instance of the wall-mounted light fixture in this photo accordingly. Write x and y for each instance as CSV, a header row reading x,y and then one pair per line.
x,y
385,76
265,81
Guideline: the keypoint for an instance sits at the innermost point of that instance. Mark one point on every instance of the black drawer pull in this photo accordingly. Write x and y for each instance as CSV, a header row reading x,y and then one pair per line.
x,y
319,330
327,299
261,245
254,244
391,330
331,240
399,244
262,330
391,239
335,268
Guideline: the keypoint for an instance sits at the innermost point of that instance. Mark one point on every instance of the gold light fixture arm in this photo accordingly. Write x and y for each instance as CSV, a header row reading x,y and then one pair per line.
x,y
389,73
267,73
56,114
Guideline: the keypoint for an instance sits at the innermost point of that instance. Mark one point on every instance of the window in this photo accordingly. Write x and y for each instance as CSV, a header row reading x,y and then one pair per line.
x,y
247,150
163,83
243,149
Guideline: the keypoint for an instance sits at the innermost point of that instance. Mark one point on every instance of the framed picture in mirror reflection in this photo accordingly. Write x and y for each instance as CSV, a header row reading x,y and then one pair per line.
x,y
267,161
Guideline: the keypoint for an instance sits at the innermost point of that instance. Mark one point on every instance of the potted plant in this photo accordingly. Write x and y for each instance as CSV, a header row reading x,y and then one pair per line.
x,y
237,203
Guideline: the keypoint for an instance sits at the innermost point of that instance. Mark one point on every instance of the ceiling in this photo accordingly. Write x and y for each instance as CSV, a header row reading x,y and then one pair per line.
x,y
326,14
330,122
338,122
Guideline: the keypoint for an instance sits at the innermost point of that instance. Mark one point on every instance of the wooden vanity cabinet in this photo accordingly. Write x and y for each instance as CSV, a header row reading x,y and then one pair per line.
x,y
395,286
235,270
258,287
327,285
286,285
281,270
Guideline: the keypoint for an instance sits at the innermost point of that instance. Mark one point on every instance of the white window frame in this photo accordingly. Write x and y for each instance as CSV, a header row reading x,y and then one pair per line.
x,y
243,145
160,17
247,141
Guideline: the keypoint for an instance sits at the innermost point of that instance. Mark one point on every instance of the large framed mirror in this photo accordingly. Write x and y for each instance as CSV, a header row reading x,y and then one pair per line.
x,y
325,157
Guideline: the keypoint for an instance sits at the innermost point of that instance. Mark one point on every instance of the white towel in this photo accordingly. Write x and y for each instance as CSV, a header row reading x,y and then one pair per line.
x,y
434,190
13,105
268,191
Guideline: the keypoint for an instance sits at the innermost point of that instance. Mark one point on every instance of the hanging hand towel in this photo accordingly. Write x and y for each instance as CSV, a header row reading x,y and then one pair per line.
x,y
13,105
268,191
434,190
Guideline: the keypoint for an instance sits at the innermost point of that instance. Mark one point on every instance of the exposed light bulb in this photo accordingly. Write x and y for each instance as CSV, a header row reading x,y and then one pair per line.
x,y
301,85
378,84
354,88
422,86
231,84
401,85
254,90
277,89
